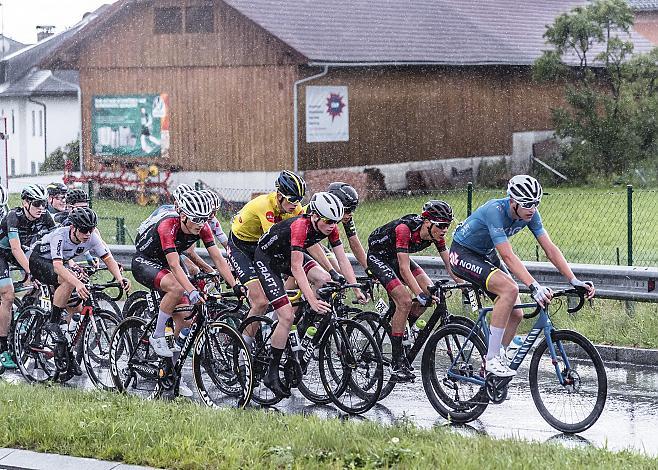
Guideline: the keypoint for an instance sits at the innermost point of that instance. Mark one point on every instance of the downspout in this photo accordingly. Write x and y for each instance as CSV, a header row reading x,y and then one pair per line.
x,y
45,139
295,114
81,159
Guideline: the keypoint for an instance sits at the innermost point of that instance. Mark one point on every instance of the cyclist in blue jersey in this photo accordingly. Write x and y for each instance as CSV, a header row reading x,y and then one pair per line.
x,y
481,253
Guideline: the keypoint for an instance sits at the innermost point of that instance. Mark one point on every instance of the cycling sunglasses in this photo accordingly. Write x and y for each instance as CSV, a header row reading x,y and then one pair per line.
x,y
85,229
529,205
198,220
292,199
441,225
328,221
38,203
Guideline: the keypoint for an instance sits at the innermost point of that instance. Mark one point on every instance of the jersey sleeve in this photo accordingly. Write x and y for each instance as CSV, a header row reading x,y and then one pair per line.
x,y
167,230
96,245
207,236
298,233
57,245
334,237
494,220
218,231
12,225
402,238
536,226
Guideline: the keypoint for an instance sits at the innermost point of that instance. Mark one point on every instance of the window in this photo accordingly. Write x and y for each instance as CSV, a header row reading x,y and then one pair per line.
x,y
13,123
199,19
34,167
40,123
34,125
168,20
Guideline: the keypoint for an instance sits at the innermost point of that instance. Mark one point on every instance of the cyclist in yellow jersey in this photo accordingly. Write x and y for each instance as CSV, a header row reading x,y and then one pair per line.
x,y
253,220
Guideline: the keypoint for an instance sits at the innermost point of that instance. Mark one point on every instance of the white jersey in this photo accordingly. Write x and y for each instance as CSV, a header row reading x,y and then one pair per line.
x,y
58,245
216,228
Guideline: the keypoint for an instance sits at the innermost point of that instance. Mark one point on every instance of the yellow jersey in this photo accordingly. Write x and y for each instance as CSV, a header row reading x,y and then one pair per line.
x,y
258,215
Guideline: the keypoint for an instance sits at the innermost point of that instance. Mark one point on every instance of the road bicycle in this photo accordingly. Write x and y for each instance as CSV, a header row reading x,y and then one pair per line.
x,y
566,375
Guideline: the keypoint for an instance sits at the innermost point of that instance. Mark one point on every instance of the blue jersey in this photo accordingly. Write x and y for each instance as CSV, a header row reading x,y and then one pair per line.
x,y
492,224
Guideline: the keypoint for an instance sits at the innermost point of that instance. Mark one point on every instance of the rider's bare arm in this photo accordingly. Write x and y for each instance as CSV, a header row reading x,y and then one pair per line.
x,y
513,262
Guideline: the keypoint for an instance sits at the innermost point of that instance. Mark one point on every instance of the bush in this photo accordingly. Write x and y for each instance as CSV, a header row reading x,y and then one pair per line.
x,y
55,161
493,174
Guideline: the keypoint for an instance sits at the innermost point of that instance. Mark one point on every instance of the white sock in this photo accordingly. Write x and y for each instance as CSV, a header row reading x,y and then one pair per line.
x,y
495,339
248,340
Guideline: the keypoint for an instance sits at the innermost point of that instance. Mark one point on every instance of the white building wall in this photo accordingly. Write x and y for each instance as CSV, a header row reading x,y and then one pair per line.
x,y
26,142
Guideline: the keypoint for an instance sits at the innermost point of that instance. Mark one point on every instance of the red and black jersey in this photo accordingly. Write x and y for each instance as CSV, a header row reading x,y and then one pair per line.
x,y
400,236
166,236
294,234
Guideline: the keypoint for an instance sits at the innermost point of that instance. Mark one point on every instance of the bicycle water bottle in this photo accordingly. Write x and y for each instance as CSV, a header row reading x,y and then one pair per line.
x,y
407,339
169,336
293,337
182,337
418,326
307,345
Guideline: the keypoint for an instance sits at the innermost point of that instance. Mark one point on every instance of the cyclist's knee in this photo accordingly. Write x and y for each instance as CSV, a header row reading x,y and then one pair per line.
x,y
257,298
402,302
7,293
285,316
517,314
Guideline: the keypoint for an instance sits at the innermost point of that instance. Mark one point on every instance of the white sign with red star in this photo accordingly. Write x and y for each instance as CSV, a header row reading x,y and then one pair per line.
x,y
327,114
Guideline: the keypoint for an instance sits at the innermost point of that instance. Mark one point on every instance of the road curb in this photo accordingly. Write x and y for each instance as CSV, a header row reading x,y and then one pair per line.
x,y
636,356
19,459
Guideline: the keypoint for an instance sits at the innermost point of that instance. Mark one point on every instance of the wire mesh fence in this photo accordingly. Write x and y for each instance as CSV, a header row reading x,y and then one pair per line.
x,y
598,226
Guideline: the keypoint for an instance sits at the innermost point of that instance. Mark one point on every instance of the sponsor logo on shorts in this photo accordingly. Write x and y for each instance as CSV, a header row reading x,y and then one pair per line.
x,y
472,267
267,276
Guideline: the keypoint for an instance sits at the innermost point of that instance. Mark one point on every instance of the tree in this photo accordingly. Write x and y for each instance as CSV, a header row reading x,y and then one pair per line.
x,y
609,125
55,161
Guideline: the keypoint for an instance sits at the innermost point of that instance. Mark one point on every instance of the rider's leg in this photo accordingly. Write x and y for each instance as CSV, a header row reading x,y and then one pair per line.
x,y
512,324
402,299
173,293
278,343
424,282
7,300
507,292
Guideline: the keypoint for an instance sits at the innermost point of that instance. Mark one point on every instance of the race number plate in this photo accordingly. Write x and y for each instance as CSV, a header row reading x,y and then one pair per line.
x,y
381,306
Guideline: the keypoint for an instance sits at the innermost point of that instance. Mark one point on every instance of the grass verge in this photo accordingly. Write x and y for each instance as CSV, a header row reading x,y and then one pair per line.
x,y
183,435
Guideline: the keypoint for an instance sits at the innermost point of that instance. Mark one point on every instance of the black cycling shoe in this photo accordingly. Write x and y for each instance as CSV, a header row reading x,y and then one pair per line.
x,y
400,373
407,363
74,367
273,382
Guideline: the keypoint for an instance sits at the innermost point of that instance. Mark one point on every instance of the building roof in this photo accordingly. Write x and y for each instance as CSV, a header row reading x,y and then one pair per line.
x,y
19,72
9,46
643,5
445,32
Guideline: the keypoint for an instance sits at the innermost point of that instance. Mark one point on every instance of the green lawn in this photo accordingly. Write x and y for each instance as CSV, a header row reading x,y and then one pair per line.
x,y
183,435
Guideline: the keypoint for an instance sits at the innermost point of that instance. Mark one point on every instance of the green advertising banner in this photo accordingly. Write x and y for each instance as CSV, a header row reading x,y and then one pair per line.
x,y
130,125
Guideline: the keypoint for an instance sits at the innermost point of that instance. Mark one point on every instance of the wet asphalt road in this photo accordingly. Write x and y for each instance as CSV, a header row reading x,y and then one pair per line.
x,y
629,420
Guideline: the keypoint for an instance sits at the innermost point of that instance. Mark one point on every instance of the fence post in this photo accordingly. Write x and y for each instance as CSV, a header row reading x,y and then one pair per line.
x,y
90,192
469,198
121,231
629,200
197,185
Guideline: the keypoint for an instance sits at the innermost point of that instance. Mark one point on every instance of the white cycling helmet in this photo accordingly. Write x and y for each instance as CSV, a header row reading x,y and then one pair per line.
x,y
215,200
195,204
524,189
4,196
34,192
180,190
328,206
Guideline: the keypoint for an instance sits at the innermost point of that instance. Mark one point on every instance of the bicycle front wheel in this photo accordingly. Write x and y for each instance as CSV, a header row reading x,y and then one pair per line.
x,y
222,367
351,366
575,404
34,348
96,347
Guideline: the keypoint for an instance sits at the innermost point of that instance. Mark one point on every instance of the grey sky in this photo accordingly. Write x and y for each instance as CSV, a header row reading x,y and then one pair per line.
x,y
22,16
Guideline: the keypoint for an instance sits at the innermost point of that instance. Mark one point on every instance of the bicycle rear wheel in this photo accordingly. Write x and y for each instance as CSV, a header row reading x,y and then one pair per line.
x,y
134,366
96,347
451,349
351,366
34,348
222,367
575,405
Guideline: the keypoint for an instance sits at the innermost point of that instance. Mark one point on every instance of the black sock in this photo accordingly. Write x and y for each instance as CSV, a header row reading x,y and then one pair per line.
x,y
56,314
276,358
3,344
396,346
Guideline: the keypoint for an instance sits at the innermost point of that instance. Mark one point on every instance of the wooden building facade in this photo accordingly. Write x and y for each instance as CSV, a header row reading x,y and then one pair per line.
x,y
230,82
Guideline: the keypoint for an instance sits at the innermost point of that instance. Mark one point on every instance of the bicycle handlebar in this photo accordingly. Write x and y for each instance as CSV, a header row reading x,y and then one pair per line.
x,y
332,286
578,291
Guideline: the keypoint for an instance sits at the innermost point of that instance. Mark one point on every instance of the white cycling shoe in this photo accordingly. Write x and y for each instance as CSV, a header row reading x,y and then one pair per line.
x,y
184,390
160,346
497,367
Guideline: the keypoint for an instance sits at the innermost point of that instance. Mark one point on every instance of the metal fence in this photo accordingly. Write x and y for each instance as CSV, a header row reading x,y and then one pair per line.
x,y
611,226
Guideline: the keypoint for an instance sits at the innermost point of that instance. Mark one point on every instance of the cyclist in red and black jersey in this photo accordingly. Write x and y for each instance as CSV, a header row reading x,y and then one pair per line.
x,y
156,263
283,250
388,261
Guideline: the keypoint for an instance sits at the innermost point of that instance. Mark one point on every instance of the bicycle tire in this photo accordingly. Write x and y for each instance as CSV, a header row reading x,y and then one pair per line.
x,y
96,348
580,361
260,360
129,351
33,347
222,354
382,335
356,361
131,299
105,302
438,357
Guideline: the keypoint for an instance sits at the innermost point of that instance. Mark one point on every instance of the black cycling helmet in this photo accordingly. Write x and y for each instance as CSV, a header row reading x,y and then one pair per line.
x,y
437,211
55,189
291,185
83,218
75,196
346,193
